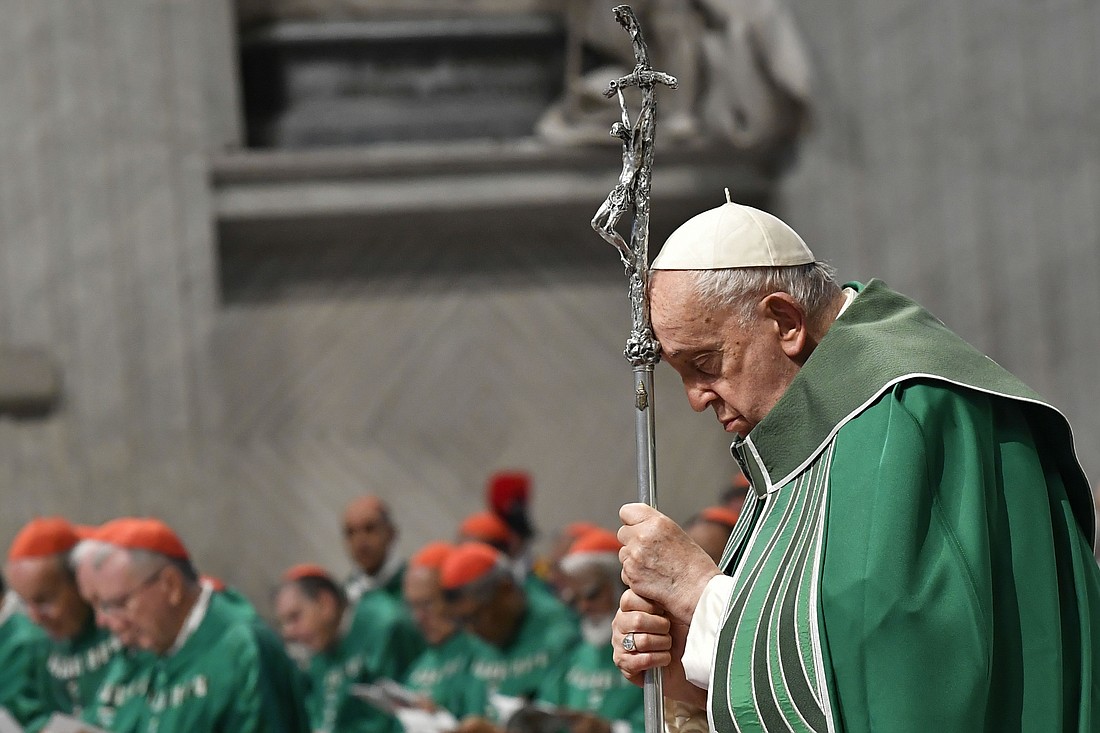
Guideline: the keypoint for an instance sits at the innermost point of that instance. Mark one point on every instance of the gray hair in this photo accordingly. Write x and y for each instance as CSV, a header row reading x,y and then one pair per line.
x,y
91,551
812,285
96,552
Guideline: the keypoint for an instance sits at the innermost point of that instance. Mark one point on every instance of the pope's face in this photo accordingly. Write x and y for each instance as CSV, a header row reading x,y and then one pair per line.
x,y
738,371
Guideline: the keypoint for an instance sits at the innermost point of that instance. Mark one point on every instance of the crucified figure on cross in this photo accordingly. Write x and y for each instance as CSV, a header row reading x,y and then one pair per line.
x,y
631,193
621,199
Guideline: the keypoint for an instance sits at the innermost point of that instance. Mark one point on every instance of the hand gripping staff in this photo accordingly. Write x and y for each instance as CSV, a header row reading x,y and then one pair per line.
x,y
642,349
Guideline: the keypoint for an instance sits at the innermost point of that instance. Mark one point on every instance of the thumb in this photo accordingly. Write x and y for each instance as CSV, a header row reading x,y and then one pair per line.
x,y
636,513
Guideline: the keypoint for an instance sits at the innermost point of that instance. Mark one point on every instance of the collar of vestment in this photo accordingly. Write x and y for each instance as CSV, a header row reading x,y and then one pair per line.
x,y
881,339
8,607
360,582
194,618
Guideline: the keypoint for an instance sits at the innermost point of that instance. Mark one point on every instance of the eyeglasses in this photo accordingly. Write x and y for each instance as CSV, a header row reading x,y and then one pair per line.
x,y
121,603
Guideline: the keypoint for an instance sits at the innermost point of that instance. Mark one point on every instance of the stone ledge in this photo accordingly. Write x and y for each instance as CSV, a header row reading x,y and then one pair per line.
x,y
482,176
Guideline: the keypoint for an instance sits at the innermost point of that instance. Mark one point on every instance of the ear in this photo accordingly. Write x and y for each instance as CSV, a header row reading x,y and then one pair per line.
x,y
787,318
174,580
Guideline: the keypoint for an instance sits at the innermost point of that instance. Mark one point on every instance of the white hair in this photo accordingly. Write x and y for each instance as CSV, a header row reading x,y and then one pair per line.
x,y
812,285
92,551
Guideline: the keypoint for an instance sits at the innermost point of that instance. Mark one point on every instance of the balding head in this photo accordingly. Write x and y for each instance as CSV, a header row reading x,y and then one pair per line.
x,y
369,532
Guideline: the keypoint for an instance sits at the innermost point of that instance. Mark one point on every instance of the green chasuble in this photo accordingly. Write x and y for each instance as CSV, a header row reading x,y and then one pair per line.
x,y
590,682
546,635
442,672
127,676
75,667
23,649
332,706
916,552
386,633
229,675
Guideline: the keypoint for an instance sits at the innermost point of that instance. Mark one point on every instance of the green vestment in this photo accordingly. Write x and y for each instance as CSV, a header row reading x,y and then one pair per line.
x,y
230,675
354,659
546,634
75,668
915,554
590,682
387,634
23,650
442,672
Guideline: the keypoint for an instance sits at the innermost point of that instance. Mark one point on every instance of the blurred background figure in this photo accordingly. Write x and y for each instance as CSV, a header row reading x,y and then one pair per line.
x,y
213,668
588,690
548,566
526,637
313,612
38,570
374,589
442,671
23,650
711,529
369,534
508,495
733,497
488,528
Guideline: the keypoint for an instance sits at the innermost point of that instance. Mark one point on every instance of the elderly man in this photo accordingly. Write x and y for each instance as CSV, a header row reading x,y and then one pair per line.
x,y
527,636
442,671
589,692
369,533
313,612
38,571
914,554
214,670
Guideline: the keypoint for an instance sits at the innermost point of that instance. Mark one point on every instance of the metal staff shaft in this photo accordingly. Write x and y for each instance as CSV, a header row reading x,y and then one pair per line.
x,y
631,193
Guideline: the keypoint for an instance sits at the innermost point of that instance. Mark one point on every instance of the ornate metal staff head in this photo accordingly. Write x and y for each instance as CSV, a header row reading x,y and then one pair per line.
x,y
631,193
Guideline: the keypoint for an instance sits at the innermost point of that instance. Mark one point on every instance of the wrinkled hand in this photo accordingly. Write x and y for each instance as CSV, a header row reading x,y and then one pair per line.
x,y
661,563
658,643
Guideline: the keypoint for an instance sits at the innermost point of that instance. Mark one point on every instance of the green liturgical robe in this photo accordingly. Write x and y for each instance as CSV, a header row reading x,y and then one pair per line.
x,y
590,682
544,638
229,675
127,677
916,552
333,708
387,634
23,649
442,672
75,668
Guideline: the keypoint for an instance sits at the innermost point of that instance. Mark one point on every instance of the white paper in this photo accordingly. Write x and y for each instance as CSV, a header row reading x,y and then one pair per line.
x,y
386,695
59,723
415,720
505,706
8,724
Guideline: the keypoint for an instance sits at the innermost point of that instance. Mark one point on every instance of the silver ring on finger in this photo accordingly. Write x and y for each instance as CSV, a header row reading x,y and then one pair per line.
x,y
628,642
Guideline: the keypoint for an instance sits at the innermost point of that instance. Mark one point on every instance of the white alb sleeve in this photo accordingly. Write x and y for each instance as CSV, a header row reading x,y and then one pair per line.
x,y
703,631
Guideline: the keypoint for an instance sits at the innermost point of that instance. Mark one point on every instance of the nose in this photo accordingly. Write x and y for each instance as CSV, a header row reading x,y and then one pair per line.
x,y
698,396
